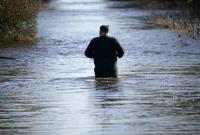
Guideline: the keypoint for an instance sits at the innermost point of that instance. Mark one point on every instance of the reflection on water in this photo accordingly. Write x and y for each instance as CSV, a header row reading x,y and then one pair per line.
x,y
106,83
49,88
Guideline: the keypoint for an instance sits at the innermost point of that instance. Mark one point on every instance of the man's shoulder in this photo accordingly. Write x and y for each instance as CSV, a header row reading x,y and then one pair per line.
x,y
95,38
99,38
111,38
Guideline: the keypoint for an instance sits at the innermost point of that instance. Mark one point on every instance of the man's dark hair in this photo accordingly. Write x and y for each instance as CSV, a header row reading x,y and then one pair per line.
x,y
104,28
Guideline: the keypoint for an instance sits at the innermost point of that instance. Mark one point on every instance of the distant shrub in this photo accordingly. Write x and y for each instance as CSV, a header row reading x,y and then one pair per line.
x,y
18,20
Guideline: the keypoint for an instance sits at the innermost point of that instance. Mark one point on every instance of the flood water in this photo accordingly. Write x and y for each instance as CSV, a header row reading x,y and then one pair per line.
x,y
49,88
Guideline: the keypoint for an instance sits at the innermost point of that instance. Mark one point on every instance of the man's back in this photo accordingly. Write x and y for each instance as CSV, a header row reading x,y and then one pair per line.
x,y
104,50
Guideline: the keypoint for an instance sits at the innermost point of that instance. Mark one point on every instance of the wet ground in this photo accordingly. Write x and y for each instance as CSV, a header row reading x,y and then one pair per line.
x,y
49,88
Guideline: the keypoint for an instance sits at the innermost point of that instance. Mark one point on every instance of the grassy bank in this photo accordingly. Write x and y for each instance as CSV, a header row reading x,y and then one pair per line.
x,y
182,24
18,19
185,18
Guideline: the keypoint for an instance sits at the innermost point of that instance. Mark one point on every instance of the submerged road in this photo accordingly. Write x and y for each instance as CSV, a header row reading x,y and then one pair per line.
x,y
49,88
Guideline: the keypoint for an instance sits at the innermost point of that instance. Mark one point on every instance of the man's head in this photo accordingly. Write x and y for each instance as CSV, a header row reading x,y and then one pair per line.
x,y
104,29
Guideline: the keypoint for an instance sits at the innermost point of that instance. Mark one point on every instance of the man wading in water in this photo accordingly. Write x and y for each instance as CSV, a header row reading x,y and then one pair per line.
x,y
104,50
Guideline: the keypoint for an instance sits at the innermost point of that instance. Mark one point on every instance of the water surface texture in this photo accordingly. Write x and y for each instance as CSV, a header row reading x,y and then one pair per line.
x,y
49,88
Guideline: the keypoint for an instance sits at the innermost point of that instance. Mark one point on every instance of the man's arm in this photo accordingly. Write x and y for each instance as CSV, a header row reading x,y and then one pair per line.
x,y
89,52
119,49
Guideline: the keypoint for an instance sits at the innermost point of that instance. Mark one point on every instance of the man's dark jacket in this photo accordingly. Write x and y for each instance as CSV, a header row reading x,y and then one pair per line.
x,y
104,50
